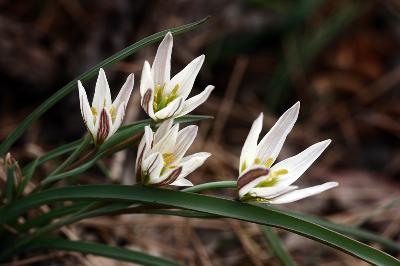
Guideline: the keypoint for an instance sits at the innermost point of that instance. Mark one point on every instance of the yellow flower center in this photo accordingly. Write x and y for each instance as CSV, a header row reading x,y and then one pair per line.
x,y
161,99
272,178
168,158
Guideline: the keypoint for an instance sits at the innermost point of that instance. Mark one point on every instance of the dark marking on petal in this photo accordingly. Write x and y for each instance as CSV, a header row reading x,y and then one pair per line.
x,y
104,127
178,107
146,100
171,177
139,165
251,176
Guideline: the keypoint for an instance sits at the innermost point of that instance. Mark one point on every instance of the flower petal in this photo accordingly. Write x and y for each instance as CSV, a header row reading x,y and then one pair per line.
x,y
125,92
173,109
161,68
299,163
102,95
192,162
271,192
251,178
184,139
302,193
192,103
167,143
85,110
271,144
163,130
103,127
118,119
249,149
146,80
182,182
186,77
148,140
153,165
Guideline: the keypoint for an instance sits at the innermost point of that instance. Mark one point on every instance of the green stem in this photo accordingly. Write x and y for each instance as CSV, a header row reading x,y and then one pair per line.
x,y
211,185
84,144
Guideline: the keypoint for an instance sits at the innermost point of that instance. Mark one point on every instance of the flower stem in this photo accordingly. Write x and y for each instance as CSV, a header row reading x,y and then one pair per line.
x,y
211,185
74,155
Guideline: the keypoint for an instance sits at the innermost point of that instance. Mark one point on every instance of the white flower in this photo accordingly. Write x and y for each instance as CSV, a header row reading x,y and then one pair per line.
x,y
104,117
260,180
160,158
163,97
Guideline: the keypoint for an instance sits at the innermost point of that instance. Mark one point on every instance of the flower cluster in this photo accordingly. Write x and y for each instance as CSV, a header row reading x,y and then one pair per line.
x,y
161,156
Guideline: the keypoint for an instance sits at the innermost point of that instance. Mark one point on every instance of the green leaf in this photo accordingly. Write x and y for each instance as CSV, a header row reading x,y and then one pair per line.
x,y
53,154
265,215
100,250
49,216
10,186
27,177
277,246
71,86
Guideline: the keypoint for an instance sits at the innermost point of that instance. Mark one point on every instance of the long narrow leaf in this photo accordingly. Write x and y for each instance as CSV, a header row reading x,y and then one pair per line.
x,y
225,208
100,250
277,246
64,91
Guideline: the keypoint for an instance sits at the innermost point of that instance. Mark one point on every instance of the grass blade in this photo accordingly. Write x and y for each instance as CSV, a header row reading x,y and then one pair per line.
x,y
71,86
100,250
277,246
265,215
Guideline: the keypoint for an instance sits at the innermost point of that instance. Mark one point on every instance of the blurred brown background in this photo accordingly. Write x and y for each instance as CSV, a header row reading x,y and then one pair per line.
x,y
340,59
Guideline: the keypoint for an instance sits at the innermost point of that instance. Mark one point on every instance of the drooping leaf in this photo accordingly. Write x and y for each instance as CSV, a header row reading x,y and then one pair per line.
x,y
265,215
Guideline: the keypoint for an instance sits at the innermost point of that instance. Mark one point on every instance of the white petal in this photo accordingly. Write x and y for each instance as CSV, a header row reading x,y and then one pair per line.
x,y
146,80
186,77
270,192
102,95
140,152
253,183
85,110
249,149
182,182
192,103
173,109
185,138
103,126
125,92
161,68
118,119
271,144
148,140
167,143
163,130
153,164
302,193
299,163
192,162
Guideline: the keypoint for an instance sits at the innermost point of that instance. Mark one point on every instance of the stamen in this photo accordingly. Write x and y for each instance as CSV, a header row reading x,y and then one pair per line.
x,y
257,160
269,182
113,113
94,111
161,100
243,167
279,172
168,158
269,162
